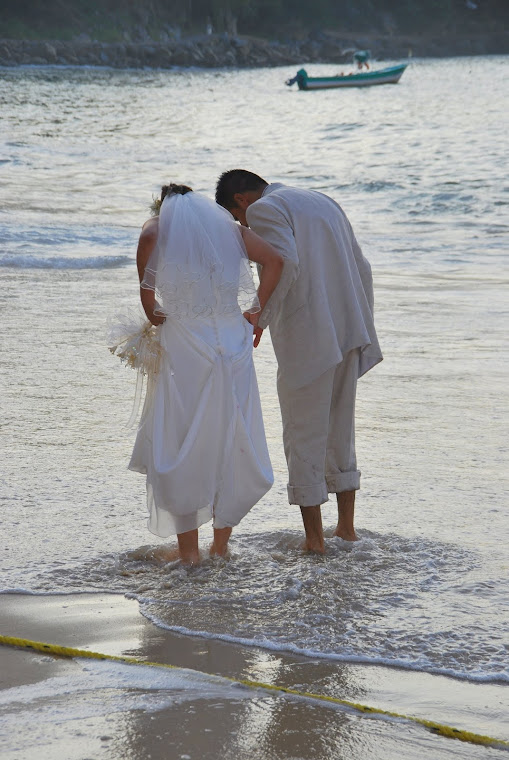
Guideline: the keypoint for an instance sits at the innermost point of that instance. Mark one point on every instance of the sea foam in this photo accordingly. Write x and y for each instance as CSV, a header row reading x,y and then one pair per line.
x,y
29,261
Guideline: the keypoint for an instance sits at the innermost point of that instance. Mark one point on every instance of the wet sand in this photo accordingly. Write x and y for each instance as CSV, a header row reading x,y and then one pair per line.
x,y
88,712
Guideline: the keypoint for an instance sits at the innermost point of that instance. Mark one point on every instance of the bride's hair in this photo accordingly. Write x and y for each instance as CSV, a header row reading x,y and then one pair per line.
x,y
167,190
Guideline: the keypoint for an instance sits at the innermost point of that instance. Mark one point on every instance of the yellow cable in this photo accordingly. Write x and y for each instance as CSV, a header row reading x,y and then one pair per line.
x,y
437,728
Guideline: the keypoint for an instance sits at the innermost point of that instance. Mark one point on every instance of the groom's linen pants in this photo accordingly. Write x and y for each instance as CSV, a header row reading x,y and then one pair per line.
x,y
319,434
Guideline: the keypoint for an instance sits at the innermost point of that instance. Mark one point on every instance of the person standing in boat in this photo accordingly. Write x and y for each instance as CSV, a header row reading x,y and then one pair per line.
x,y
361,58
322,329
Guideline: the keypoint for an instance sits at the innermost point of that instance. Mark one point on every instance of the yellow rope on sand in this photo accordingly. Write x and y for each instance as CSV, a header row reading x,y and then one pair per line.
x,y
436,728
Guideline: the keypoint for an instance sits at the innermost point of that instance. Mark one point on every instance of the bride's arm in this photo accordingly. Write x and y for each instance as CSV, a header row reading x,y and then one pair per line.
x,y
146,244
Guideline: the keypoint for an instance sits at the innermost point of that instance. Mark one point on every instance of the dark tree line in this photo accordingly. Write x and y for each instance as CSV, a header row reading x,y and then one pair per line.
x,y
115,18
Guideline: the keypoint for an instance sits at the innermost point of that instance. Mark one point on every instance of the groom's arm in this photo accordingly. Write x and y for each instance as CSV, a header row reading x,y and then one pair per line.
x,y
271,224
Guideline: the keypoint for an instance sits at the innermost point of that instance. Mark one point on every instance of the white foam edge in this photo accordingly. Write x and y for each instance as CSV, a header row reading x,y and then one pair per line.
x,y
28,261
273,646
96,675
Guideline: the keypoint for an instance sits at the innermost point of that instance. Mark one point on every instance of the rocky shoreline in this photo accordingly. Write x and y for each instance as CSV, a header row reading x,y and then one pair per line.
x,y
217,51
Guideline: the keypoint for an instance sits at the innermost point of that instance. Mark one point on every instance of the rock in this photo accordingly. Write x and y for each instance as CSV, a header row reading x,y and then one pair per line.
x,y
224,50
141,34
5,53
50,52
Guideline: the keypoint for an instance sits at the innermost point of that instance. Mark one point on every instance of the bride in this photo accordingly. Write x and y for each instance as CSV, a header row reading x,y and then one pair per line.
x,y
201,441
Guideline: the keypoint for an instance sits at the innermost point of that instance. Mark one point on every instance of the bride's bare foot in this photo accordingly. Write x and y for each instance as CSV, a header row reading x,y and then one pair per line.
x,y
190,561
188,547
214,552
219,546
164,554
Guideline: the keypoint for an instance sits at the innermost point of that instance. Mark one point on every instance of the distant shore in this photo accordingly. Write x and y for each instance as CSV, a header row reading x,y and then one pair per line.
x,y
218,51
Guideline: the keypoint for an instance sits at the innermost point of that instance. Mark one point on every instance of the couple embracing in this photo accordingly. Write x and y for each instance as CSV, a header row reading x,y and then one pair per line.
x,y
201,440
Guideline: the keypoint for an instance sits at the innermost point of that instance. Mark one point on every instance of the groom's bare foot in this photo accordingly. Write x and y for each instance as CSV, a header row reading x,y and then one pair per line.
x,y
312,519
346,507
346,535
313,548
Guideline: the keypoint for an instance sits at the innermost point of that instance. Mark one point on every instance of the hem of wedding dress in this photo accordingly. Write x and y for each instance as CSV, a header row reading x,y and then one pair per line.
x,y
163,523
137,468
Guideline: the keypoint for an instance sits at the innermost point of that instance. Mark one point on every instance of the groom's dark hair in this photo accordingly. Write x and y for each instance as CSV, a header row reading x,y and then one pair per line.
x,y
236,181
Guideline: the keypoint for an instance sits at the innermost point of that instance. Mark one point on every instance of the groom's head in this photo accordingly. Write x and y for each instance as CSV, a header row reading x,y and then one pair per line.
x,y
238,189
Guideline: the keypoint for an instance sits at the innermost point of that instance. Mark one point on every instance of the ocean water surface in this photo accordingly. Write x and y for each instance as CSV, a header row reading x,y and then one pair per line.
x,y
420,169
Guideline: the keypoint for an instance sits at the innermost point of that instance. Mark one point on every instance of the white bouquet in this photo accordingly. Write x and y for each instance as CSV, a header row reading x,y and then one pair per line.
x,y
135,341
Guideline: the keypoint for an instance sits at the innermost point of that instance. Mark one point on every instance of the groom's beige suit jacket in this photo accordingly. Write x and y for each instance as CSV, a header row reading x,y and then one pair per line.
x,y
323,305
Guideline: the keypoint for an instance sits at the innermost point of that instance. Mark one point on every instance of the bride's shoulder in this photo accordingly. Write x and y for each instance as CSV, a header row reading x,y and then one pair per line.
x,y
150,228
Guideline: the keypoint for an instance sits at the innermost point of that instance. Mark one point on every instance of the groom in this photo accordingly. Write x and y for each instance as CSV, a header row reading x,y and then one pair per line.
x,y
322,330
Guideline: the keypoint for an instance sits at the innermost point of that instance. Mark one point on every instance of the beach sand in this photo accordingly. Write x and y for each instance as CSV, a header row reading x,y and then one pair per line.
x,y
53,707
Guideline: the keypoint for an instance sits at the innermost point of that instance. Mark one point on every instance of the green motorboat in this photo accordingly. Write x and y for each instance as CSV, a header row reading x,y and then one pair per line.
x,y
391,75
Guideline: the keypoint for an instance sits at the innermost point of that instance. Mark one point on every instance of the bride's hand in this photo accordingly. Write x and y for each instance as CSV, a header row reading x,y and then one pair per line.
x,y
155,319
257,331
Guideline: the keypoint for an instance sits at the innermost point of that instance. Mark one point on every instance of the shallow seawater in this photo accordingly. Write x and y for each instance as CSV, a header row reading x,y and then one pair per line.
x,y
113,710
420,170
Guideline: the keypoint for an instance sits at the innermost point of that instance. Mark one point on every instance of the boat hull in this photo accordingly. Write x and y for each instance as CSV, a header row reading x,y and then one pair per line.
x,y
390,75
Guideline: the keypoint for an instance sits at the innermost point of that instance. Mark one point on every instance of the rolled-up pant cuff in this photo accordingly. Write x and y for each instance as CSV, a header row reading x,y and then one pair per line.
x,y
308,496
344,481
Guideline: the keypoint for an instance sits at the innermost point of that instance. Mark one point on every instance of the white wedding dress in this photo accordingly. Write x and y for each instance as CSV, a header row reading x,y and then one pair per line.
x,y
201,440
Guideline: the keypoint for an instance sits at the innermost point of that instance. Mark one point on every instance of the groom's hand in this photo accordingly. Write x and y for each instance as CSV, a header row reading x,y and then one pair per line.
x,y
257,331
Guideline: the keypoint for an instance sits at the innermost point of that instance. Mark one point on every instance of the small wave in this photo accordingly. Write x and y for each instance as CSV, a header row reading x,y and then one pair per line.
x,y
386,600
124,688
26,261
287,647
